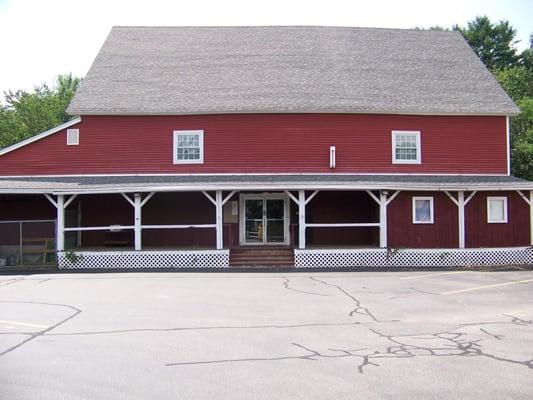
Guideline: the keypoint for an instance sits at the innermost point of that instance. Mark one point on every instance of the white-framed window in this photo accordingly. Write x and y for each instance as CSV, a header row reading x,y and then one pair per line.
x,y
406,147
423,210
73,137
497,210
189,147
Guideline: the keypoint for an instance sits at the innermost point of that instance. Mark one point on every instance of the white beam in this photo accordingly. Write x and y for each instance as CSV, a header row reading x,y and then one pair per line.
x,y
137,222
51,200
128,199
531,217
301,218
311,197
211,199
145,200
60,242
228,197
373,196
112,228
508,143
524,197
342,225
382,219
292,197
452,198
219,225
70,200
470,197
179,226
396,193
461,213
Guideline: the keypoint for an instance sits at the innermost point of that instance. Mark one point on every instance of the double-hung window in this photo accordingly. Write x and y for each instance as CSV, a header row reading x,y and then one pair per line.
x,y
189,147
422,210
496,210
406,147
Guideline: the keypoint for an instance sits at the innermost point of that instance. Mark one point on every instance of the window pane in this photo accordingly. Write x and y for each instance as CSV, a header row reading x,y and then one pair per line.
x,y
188,147
405,147
422,211
496,210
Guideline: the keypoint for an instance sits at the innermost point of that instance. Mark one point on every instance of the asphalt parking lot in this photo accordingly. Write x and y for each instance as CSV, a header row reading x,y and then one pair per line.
x,y
344,335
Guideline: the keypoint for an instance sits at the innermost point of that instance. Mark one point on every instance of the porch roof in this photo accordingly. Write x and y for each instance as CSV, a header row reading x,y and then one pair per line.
x,y
162,183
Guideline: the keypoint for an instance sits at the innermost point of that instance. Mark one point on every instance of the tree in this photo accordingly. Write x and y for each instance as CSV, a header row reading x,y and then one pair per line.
x,y
493,43
26,114
527,55
522,149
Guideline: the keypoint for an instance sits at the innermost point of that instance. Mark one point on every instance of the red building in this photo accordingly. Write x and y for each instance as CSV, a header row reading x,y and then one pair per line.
x,y
304,146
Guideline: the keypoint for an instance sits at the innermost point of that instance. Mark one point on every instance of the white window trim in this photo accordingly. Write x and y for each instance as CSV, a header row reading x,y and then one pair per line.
x,y
76,132
200,134
431,209
498,198
418,147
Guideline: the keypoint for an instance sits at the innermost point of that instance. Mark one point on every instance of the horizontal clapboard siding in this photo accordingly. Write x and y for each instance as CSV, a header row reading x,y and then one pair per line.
x,y
267,143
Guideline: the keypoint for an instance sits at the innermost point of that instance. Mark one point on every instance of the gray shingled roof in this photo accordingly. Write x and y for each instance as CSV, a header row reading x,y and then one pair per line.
x,y
146,183
206,70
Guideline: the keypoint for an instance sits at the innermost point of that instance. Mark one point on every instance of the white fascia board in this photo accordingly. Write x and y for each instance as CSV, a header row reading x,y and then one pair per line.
x,y
39,136
292,111
263,187
260,187
326,174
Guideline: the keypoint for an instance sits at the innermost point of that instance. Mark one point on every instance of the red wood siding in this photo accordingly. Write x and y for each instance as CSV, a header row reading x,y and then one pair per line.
x,y
403,233
479,233
267,143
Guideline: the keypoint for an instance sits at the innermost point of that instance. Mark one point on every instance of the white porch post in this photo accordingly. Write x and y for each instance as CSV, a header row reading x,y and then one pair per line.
x,y
301,219
531,217
219,225
137,220
461,214
60,243
382,219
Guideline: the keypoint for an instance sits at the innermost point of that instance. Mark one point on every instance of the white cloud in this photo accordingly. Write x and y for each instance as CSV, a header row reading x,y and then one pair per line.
x,y
43,38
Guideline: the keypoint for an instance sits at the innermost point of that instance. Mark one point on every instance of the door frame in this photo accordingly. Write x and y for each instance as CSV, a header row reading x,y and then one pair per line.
x,y
264,196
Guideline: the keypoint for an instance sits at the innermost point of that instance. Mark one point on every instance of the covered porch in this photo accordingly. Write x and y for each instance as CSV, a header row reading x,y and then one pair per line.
x,y
325,220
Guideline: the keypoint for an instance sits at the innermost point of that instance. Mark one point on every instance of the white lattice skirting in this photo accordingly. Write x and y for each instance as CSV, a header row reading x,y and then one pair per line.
x,y
333,258
143,259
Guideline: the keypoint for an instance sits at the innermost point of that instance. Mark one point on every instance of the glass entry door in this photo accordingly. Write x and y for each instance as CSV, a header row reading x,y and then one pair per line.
x,y
264,220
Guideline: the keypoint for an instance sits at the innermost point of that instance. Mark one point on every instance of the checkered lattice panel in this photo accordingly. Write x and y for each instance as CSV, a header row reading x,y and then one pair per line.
x,y
413,257
144,259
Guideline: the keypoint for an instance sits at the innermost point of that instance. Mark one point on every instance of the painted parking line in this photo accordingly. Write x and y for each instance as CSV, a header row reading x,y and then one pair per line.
x,y
430,275
488,286
17,323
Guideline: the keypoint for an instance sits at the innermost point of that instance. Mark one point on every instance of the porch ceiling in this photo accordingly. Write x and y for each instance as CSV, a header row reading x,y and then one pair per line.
x,y
162,183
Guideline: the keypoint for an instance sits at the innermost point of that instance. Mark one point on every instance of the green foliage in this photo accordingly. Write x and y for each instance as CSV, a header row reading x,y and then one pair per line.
x,y
522,149
517,81
527,55
493,43
25,114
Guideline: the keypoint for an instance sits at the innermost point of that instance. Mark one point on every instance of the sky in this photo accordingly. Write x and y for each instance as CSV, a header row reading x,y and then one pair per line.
x,y
43,38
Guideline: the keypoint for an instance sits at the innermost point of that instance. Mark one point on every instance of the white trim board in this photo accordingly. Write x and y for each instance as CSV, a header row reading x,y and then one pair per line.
x,y
39,136
292,111
331,174
258,187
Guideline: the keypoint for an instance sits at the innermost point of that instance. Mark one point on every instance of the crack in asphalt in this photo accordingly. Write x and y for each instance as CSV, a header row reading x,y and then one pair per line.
x,y
34,335
311,325
447,343
286,282
9,282
359,309
312,355
499,337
